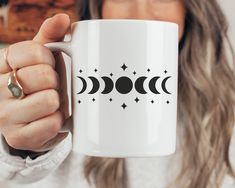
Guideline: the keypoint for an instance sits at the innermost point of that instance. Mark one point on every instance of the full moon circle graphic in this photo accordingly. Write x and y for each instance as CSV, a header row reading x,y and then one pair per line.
x,y
124,85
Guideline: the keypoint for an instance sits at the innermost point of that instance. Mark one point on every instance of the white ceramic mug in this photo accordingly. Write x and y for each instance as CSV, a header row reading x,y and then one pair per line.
x,y
124,87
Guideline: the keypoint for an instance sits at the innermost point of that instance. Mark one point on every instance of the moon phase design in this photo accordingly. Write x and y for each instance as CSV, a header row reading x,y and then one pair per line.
x,y
152,85
124,85
96,85
164,85
139,85
108,85
84,85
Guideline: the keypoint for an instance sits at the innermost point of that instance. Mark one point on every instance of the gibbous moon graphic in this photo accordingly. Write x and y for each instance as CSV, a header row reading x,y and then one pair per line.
x,y
152,85
84,85
139,85
108,85
96,85
164,85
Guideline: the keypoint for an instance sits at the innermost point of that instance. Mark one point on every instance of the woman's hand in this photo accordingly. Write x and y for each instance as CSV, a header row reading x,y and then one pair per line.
x,y
33,122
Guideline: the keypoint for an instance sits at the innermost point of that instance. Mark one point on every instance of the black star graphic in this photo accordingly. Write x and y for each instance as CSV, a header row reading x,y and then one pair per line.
x,y
148,70
110,99
136,99
124,106
165,71
167,102
95,70
111,74
152,101
134,73
80,70
79,101
93,99
124,67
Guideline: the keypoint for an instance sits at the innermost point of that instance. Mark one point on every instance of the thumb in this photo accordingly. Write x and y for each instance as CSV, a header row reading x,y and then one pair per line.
x,y
53,29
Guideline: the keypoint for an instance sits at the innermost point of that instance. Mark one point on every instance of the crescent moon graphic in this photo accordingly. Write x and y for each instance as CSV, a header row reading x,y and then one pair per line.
x,y
84,85
96,85
108,85
139,85
152,85
164,85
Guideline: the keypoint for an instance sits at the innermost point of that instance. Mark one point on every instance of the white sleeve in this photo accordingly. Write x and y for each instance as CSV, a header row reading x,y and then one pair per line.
x,y
24,171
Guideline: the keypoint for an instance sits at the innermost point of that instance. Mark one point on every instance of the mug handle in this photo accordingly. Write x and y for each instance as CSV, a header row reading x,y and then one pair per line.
x,y
66,48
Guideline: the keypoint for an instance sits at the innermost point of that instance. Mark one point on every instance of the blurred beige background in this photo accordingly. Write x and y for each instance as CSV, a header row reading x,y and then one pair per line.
x,y
228,6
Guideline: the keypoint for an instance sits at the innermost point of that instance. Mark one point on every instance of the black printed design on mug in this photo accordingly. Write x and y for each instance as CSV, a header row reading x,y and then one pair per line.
x,y
108,85
124,85
95,83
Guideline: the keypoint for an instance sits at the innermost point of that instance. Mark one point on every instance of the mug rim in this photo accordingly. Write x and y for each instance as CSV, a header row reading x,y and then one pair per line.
x,y
125,20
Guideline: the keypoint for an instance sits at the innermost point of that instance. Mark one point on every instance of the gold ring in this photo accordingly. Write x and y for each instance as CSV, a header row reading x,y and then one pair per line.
x,y
14,86
5,55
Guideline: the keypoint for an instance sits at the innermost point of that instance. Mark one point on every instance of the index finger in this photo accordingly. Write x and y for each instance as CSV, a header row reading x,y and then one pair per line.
x,y
24,54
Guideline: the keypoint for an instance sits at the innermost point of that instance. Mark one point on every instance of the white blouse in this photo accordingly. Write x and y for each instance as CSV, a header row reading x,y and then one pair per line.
x,y
61,167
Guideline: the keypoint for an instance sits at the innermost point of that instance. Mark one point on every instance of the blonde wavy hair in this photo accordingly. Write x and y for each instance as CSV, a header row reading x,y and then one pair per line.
x,y
206,102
